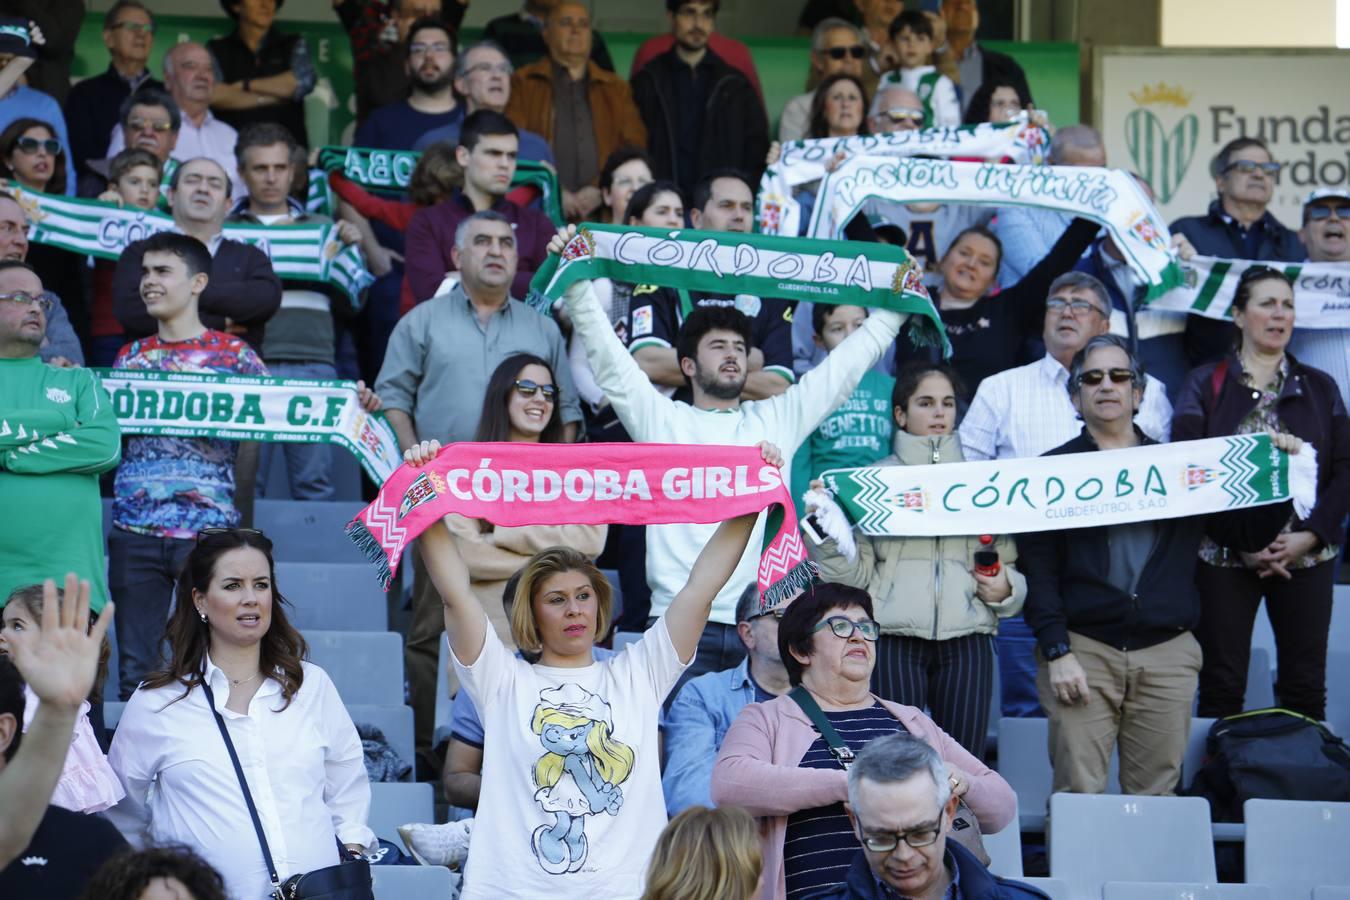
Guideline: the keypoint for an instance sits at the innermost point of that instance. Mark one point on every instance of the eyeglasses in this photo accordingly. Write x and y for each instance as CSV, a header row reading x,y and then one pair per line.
x,y
843,627
857,51
777,612
1077,307
501,68
527,388
44,300
33,145
901,116
1094,377
142,124
419,49
134,27
1323,211
918,837
1251,167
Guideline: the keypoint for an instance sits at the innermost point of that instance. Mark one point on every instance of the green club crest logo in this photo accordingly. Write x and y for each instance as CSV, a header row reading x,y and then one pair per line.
x,y
1161,157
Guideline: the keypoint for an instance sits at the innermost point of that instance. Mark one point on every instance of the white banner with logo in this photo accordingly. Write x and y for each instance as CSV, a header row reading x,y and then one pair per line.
x,y
1165,113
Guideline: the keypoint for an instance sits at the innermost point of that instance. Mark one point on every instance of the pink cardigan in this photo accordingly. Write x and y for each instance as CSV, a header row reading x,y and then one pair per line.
x,y
757,768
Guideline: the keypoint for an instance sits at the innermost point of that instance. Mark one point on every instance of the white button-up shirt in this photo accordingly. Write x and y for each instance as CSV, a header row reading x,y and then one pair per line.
x,y
304,764
1026,411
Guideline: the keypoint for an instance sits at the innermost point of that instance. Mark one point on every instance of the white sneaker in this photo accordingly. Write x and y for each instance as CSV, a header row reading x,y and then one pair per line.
x,y
438,845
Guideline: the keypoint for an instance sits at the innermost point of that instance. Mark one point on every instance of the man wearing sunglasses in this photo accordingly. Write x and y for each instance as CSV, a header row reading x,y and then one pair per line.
x,y
837,46
57,434
1238,225
1113,606
1326,234
901,806
91,108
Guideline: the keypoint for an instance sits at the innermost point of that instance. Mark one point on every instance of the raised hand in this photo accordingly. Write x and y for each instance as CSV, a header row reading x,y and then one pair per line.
x,y
559,240
771,454
421,454
61,664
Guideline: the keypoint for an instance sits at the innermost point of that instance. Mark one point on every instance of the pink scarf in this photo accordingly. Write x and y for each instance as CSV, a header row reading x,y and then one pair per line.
x,y
516,484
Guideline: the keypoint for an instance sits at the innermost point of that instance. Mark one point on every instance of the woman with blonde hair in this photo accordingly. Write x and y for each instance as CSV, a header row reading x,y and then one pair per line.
x,y
706,854
571,754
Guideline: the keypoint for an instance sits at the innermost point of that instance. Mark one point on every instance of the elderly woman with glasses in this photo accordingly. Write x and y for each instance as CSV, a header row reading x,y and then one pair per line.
x,y
1262,387
779,766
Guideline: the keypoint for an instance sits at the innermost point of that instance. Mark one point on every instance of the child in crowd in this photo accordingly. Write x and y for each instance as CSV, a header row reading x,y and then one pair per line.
x,y
913,42
134,177
88,784
858,433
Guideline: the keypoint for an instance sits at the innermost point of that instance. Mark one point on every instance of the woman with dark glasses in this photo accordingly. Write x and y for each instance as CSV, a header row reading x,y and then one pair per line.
x,y
781,768
1261,387
520,405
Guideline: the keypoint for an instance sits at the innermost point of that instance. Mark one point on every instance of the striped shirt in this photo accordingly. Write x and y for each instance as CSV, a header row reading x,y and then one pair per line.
x,y
820,843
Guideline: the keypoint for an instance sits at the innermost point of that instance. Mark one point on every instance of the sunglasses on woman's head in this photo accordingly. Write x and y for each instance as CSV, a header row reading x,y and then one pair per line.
x,y
32,145
527,388
857,51
1094,377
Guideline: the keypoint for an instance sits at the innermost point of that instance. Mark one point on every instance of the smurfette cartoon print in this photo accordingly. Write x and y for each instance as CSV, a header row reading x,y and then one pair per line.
x,y
578,775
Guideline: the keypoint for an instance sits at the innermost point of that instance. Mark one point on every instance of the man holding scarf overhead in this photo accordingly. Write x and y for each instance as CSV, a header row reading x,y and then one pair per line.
x,y
712,352
1118,662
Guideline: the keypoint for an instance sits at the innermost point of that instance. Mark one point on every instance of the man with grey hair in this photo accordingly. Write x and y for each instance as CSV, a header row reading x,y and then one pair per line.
x,y
837,46
1028,233
1026,411
901,806
704,707
483,81
190,76
1113,606
433,381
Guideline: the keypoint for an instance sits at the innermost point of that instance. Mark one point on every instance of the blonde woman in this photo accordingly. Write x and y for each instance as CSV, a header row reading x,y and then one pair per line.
x,y
570,750
706,854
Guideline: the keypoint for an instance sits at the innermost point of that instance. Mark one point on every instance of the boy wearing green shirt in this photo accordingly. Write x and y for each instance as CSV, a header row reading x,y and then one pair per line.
x,y
858,433
57,434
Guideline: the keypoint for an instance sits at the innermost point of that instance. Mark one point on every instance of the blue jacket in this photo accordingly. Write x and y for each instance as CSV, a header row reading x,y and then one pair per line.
x,y
1216,234
973,881
695,726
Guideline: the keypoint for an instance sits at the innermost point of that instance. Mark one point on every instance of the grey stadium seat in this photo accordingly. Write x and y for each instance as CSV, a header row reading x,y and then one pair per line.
x,y
1005,850
395,722
1024,762
308,531
1297,845
1178,890
333,596
1055,888
405,882
392,805
1096,838
367,667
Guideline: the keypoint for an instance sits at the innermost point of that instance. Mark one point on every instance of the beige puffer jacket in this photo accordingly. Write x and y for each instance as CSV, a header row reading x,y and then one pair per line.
x,y
921,586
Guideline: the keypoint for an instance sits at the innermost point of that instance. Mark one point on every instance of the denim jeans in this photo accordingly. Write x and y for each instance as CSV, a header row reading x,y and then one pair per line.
x,y
308,466
1016,644
142,573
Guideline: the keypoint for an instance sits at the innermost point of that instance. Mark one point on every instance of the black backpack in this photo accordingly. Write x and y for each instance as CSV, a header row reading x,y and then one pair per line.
x,y
1270,754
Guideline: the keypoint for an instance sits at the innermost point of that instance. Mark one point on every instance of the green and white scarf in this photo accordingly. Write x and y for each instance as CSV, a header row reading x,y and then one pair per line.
x,y
1079,490
1321,290
391,170
803,162
304,252
1109,196
252,408
833,272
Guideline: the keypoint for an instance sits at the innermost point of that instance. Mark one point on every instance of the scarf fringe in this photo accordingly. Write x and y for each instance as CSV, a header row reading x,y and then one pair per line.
x,y
1303,480
370,548
797,579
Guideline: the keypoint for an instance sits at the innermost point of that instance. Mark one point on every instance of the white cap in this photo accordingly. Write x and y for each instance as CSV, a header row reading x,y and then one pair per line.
x,y
1328,193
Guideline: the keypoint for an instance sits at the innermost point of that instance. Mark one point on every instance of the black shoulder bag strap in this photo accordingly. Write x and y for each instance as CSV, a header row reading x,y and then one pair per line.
x,y
248,796
838,749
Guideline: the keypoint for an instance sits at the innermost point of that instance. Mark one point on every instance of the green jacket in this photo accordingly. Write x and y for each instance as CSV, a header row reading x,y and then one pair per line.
x,y
922,586
58,432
